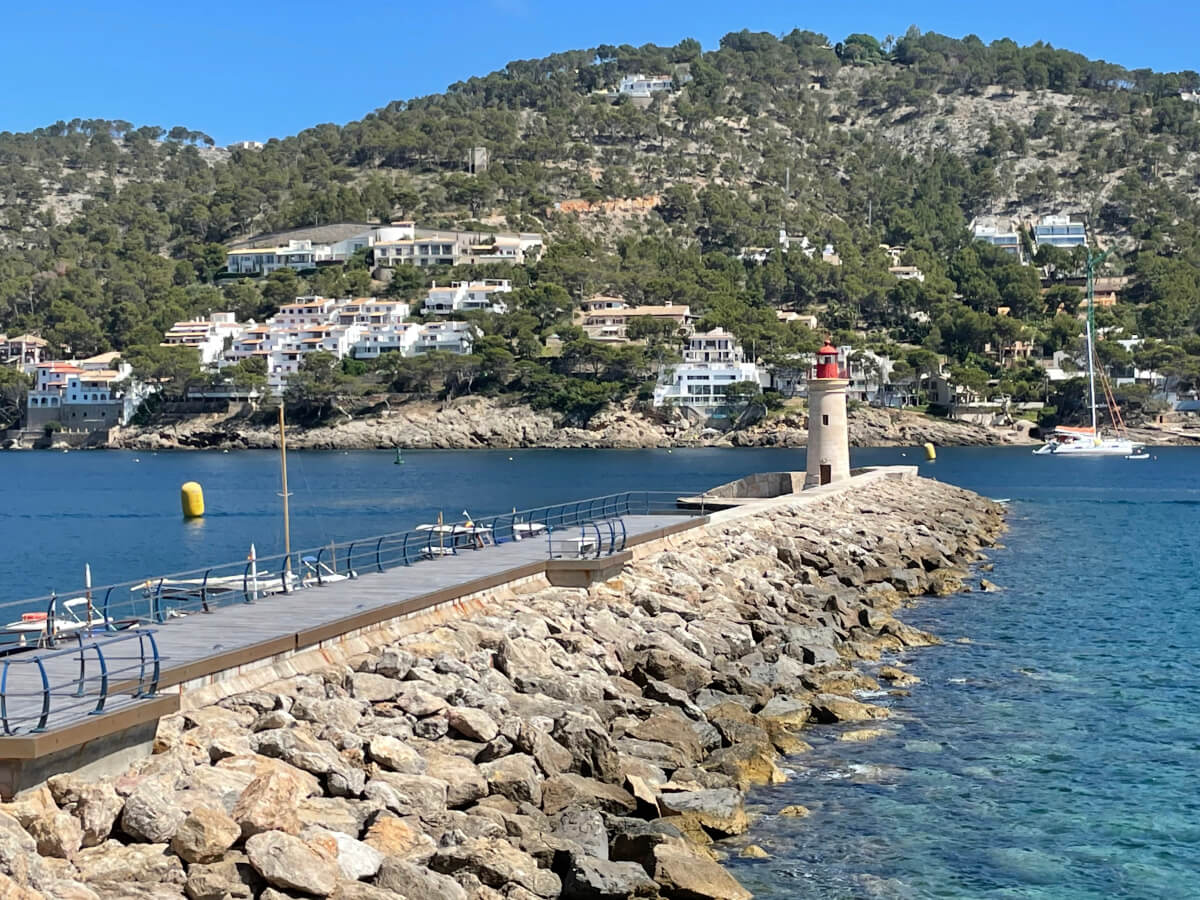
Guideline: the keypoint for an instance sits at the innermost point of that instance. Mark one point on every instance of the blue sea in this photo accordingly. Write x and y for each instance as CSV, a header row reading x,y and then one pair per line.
x,y
1049,750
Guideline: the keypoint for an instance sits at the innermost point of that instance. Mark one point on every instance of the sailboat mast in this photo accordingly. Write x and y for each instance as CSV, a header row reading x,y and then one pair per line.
x,y
1091,326
287,523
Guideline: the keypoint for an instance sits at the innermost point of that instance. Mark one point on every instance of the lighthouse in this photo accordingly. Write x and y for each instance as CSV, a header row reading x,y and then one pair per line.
x,y
828,434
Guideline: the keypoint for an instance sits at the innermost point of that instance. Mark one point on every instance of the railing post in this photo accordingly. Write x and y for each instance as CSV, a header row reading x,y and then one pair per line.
x,y
317,567
103,697
378,554
82,664
41,725
50,627
246,584
109,624
157,663
204,592
350,561
624,533
4,697
156,601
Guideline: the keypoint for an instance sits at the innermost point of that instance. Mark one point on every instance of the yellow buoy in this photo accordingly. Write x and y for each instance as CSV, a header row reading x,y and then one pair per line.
x,y
930,452
191,498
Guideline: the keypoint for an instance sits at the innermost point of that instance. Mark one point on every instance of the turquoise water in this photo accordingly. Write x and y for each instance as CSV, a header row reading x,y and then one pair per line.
x,y
1053,756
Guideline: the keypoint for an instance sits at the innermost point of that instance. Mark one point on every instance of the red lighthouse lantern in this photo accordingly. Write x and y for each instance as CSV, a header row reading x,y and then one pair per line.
x,y
827,361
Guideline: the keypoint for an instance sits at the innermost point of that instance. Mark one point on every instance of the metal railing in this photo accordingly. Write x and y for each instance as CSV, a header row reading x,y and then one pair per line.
x,y
88,620
76,680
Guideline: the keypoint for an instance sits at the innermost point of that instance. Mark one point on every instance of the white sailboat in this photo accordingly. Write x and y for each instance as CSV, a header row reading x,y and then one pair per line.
x,y
1085,441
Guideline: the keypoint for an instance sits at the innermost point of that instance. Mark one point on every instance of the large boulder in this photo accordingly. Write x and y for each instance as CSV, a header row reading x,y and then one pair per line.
x,y
95,803
682,871
551,756
516,777
466,782
117,862
720,812
577,792
286,862
269,803
473,724
395,755
588,878
205,835
496,863
405,795
400,839
373,688
231,878
151,814
412,881
19,858
58,834
830,708
586,828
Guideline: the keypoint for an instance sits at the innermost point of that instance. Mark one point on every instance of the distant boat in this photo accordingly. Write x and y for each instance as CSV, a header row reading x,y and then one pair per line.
x,y
1066,441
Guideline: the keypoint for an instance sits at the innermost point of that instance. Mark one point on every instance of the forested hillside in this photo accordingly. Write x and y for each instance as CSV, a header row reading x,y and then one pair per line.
x,y
110,232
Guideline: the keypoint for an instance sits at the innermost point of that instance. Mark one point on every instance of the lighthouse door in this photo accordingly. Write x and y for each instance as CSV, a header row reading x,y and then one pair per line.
x,y
826,474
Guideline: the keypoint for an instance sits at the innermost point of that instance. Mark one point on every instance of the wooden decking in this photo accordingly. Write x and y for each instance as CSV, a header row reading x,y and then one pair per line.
x,y
203,644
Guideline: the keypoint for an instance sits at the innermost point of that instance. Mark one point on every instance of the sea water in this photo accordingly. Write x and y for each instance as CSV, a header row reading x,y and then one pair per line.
x,y
1055,755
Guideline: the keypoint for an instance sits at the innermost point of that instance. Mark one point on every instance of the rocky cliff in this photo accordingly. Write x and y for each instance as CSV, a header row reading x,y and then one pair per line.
x,y
482,422
576,743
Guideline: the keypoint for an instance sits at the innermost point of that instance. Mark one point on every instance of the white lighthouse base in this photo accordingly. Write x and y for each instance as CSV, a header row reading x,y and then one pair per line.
x,y
828,432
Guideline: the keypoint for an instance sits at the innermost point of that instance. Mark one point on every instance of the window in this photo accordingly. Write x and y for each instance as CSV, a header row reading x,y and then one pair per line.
x,y
824,420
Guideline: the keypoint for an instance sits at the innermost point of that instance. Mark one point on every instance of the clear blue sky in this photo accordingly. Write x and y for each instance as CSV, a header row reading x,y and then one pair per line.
x,y
254,70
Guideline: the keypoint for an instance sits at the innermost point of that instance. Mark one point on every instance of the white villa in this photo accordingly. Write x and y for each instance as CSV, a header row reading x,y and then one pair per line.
x,y
712,362
208,336
265,260
81,395
639,85
363,328
467,296
400,243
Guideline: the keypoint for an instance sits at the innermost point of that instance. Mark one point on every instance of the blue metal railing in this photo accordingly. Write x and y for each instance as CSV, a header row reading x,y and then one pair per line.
x,y
38,685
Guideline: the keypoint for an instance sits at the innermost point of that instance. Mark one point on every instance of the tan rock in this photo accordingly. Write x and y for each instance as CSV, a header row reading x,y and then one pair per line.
x,y
205,835
58,834
269,803
682,871
829,708
898,677
795,811
114,861
400,839
289,863
859,735
753,851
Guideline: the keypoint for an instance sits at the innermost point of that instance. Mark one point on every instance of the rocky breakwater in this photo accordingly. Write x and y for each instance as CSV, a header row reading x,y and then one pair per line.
x,y
578,743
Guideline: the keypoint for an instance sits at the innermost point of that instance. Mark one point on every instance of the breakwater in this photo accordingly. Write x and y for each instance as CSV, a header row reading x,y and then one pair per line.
x,y
577,742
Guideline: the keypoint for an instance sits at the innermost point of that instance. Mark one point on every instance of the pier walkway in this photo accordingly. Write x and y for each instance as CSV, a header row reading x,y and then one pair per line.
x,y
49,697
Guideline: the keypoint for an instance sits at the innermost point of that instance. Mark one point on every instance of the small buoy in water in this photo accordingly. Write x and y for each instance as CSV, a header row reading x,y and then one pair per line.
x,y
224,451
191,498
136,459
904,454
930,452
510,459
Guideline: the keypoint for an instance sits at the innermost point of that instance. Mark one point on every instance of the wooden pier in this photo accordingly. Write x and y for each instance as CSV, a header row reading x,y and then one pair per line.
x,y
202,647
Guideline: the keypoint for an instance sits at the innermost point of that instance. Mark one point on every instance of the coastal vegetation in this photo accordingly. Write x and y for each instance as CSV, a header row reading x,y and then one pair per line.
x,y
110,232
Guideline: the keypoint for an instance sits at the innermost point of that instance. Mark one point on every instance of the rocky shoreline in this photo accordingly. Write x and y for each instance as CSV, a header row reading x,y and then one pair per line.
x,y
482,422
593,744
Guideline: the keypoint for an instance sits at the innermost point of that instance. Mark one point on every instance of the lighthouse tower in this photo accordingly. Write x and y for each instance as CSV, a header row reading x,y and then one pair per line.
x,y
828,434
